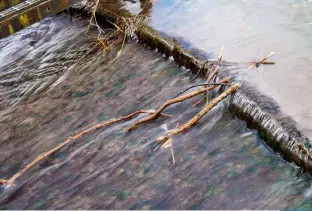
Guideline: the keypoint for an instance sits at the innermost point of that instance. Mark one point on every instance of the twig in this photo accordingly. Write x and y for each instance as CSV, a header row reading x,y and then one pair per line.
x,y
46,154
173,101
215,73
255,64
203,66
92,16
218,65
121,49
204,84
195,119
260,61
117,27
268,63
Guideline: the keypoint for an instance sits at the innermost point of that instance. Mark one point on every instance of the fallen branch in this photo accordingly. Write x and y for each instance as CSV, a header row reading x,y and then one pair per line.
x,y
195,119
43,156
173,101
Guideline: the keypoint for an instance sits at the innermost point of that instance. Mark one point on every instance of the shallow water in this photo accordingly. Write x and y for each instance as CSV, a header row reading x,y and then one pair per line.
x,y
220,164
250,30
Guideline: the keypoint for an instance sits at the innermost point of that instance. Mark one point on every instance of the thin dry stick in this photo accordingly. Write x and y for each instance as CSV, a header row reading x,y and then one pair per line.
x,y
92,16
121,49
215,73
46,154
268,63
204,111
173,101
202,67
255,64
260,61
203,84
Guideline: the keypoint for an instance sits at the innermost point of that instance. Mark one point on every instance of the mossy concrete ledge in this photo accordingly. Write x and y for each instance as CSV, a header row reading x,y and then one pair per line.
x,y
171,47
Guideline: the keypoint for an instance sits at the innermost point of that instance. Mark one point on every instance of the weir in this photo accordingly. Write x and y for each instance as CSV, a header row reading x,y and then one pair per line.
x,y
293,149
275,135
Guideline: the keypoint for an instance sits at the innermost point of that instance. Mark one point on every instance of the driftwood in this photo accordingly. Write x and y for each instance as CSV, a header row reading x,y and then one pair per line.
x,y
196,118
173,101
11,181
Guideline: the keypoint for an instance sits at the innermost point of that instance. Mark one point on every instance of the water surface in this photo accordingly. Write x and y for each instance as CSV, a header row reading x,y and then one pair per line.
x,y
220,164
250,30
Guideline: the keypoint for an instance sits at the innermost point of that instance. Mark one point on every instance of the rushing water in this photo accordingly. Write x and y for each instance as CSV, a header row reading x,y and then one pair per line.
x,y
52,90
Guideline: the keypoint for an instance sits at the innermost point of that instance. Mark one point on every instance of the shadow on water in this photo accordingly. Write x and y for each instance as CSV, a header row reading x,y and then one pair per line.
x,y
220,164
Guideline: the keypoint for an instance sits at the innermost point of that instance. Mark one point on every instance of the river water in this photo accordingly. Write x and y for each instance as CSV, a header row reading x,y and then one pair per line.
x,y
53,86
250,30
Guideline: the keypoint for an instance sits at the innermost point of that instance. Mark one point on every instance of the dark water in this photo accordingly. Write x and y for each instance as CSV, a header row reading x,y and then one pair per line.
x,y
53,90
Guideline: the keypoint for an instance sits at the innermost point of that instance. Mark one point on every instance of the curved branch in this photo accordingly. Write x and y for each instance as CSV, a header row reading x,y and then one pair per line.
x,y
70,139
173,101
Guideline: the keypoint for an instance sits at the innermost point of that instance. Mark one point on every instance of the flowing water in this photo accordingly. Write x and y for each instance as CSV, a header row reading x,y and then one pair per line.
x,y
53,85
250,30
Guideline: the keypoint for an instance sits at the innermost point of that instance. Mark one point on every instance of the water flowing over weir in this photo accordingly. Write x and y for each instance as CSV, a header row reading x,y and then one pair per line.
x,y
292,148
271,131
220,163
